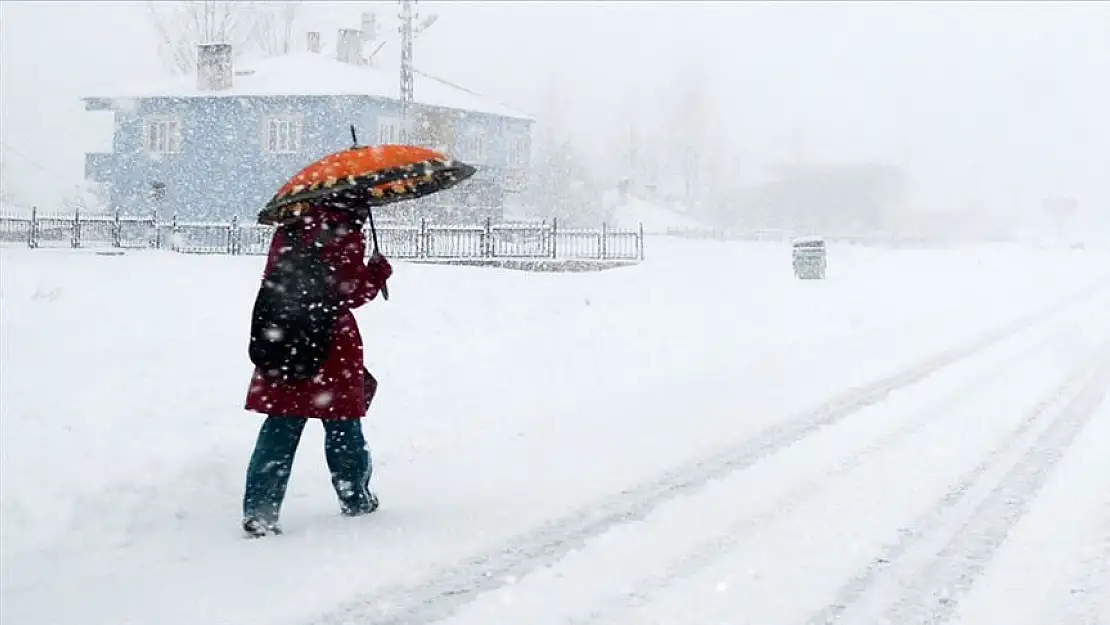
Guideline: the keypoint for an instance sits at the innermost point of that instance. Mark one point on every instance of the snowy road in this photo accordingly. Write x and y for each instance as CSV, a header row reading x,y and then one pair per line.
x,y
890,504
922,438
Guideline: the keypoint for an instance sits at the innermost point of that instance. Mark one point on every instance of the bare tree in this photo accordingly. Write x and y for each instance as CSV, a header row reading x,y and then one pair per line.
x,y
264,26
690,130
273,27
560,184
638,144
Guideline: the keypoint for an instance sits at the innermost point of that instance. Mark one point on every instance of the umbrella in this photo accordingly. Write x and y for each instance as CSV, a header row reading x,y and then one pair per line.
x,y
359,178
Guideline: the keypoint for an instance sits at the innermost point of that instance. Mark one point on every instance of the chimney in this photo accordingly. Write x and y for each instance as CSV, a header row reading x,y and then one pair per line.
x,y
314,42
348,48
369,27
214,66
369,36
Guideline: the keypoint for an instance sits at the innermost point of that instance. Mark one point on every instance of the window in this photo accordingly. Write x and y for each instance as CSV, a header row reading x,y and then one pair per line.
x,y
393,130
283,134
472,146
162,135
518,152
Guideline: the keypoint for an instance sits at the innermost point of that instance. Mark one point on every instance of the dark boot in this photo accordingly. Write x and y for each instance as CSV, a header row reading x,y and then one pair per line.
x,y
268,474
356,509
349,461
254,528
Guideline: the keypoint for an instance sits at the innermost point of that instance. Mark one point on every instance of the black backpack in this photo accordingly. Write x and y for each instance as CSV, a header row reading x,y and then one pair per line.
x,y
295,311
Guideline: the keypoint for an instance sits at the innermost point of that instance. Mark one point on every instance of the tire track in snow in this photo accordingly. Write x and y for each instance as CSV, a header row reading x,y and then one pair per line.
x,y
445,592
1089,599
970,551
719,546
851,592
934,595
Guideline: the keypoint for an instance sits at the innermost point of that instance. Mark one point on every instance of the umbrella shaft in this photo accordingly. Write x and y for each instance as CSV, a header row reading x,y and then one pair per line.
x,y
377,249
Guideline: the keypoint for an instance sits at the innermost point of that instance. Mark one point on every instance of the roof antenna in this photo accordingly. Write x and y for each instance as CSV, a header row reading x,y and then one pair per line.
x,y
354,137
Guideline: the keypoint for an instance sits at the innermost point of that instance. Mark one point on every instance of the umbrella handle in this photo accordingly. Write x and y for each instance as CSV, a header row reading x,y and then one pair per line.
x,y
384,289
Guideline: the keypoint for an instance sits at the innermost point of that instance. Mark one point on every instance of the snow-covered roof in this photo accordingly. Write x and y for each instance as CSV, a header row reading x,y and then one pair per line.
x,y
315,74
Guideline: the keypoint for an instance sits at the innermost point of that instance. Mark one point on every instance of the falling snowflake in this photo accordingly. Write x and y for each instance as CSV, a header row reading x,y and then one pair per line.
x,y
274,334
322,399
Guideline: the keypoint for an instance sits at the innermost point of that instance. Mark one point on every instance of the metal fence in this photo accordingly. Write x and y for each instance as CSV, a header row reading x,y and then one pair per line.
x,y
397,240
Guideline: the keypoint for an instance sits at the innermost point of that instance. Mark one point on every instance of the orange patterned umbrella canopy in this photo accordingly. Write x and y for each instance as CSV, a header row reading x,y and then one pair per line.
x,y
362,177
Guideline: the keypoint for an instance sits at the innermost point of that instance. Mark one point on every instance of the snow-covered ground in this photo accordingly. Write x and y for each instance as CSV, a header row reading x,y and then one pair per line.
x,y
699,439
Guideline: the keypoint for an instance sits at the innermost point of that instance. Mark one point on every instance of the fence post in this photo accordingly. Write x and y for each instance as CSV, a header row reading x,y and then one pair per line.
x,y
155,231
232,230
173,234
602,240
33,236
487,236
640,241
76,240
554,237
116,228
422,239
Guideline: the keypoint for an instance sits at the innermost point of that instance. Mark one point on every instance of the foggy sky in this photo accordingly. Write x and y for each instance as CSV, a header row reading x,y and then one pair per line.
x,y
995,104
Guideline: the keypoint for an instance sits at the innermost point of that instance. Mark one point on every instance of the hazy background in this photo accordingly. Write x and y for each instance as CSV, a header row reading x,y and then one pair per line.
x,y
988,107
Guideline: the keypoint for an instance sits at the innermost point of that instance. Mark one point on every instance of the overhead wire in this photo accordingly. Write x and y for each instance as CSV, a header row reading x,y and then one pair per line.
x,y
30,160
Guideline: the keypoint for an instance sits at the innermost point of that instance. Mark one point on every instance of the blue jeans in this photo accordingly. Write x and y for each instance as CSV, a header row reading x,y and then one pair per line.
x,y
271,463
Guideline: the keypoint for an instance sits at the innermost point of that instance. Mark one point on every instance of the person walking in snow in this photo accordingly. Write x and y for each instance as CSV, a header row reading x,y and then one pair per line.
x,y
319,260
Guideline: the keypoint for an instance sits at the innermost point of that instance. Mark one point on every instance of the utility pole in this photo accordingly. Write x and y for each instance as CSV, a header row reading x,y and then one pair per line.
x,y
407,16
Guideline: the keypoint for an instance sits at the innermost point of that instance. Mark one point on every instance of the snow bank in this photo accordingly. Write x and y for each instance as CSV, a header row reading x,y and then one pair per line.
x,y
506,399
656,218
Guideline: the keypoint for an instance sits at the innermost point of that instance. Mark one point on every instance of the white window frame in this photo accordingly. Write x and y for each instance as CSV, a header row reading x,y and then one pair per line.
x,y
473,146
518,153
162,134
391,129
283,133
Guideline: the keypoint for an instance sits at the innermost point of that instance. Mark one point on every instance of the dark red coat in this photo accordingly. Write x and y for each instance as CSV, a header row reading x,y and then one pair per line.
x,y
337,392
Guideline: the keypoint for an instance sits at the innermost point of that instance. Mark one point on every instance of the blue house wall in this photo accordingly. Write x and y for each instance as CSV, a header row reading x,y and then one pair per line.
x,y
222,168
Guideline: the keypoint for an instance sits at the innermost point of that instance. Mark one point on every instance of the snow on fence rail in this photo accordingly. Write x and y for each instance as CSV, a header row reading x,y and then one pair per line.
x,y
420,240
